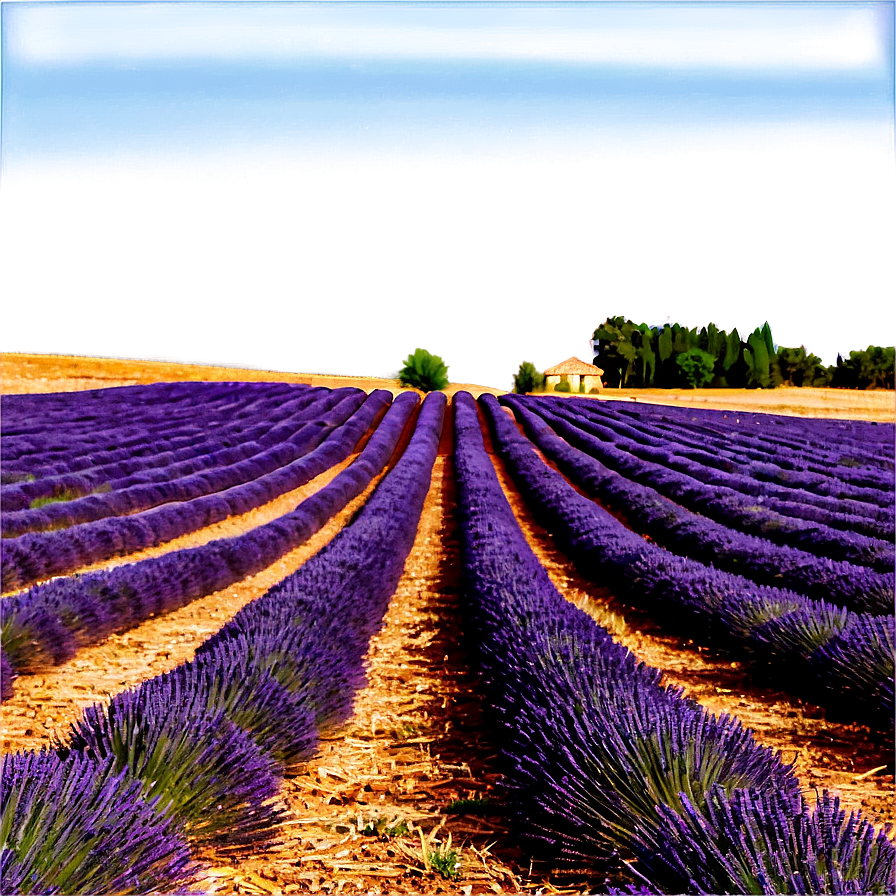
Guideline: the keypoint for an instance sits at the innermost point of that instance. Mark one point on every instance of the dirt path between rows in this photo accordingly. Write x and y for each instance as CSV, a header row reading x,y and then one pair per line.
x,y
414,744
847,758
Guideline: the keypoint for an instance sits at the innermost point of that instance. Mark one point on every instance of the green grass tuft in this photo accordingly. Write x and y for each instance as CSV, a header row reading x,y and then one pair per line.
x,y
446,862
66,495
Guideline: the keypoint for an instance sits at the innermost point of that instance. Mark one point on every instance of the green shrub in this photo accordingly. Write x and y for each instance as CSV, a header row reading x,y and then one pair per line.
x,y
440,857
562,386
528,379
424,371
696,367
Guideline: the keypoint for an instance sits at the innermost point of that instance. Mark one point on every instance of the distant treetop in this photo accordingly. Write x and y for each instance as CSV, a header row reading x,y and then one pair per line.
x,y
641,356
424,371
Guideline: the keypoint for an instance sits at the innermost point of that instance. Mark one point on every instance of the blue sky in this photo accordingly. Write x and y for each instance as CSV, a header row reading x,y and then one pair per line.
x,y
115,84
324,187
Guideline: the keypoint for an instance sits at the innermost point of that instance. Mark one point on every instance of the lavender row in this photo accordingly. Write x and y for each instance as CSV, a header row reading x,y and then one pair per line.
x,y
684,532
334,604
603,765
221,447
777,630
294,437
876,523
171,436
777,470
209,741
48,624
235,441
869,519
40,555
859,467
728,506
874,519
125,442
63,408
31,414
129,428
837,442
783,460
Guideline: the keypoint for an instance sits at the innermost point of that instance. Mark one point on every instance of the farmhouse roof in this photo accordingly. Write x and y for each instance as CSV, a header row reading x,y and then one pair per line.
x,y
573,365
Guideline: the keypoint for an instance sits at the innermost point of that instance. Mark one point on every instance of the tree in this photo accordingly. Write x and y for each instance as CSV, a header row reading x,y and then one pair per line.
x,y
872,368
802,368
775,377
792,362
648,356
424,371
619,348
732,360
757,360
528,379
697,367
818,373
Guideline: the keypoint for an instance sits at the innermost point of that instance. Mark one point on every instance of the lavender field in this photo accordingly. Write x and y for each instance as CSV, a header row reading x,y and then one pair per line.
x,y
279,637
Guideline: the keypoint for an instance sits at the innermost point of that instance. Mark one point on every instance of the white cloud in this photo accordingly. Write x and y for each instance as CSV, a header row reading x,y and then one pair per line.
x,y
74,30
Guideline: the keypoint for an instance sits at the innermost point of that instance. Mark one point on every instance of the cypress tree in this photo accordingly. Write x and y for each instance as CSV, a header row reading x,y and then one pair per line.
x,y
679,339
732,349
774,368
648,355
665,368
751,367
760,377
769,342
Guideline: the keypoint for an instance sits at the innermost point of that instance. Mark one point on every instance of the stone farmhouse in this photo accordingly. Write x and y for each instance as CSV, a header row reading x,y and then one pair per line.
x,y
577,373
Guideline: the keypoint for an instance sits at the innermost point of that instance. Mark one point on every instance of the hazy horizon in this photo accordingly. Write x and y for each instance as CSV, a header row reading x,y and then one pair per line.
x,y
324,187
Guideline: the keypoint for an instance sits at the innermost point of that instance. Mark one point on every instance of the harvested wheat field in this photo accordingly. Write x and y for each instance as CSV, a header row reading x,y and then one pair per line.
x,y
284,634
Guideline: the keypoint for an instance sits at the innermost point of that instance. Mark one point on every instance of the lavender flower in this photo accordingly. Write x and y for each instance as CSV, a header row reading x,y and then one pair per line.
x,y
206,772
81,826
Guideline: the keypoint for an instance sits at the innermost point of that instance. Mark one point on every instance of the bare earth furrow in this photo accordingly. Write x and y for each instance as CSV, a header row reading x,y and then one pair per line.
x,y
414,744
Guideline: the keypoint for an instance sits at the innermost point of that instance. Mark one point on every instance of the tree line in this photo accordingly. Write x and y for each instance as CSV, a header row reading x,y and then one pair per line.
x,y
671,356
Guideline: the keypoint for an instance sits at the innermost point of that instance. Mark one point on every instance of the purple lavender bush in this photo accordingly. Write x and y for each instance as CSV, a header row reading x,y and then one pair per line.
x,y
742,842
684,532
598,756
78,826
205,771
39,555
48,624
224,683
776,629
